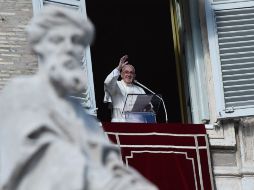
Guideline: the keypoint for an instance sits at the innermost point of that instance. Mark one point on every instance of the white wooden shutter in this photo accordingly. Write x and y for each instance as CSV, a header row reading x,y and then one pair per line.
x,y
88,97
231,41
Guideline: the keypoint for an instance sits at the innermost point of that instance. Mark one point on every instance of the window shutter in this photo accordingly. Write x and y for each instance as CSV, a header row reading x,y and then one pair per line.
x,y
231,41
88,98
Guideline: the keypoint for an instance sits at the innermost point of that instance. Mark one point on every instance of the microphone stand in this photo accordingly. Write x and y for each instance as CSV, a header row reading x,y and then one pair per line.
x,y
163,103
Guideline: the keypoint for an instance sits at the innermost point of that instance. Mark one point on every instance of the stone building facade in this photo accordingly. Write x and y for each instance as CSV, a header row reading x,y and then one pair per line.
x,y
15,56
231,138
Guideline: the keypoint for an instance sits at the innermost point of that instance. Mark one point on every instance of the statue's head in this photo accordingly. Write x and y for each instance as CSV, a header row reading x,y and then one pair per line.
x,y
59,37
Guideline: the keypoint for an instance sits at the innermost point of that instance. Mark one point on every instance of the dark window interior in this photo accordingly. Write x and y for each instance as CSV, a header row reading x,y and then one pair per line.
x,y
142,29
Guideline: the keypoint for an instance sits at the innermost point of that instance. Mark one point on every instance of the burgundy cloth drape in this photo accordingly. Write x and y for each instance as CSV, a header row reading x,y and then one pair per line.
x,y
173,156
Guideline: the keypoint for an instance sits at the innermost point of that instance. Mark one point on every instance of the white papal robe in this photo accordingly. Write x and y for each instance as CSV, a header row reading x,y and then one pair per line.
x,y
116,92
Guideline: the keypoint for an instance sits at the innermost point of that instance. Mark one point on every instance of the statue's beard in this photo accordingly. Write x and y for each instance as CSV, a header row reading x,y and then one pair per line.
x,y
66,77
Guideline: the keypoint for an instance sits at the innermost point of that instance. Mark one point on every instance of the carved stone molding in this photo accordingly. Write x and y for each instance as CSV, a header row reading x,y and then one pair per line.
x,y
246,140
223,135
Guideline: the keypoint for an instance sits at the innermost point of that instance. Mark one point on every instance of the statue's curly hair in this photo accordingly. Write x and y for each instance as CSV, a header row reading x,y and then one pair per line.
x,y
53,16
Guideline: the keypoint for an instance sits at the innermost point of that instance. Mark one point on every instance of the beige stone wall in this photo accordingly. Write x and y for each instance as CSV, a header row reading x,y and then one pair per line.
x,y
15,55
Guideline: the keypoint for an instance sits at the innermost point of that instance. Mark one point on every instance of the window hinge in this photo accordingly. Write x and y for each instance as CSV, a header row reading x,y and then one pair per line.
x,y
229,110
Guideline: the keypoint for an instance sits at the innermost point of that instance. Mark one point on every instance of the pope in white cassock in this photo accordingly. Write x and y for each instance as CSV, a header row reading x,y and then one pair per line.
x,y
117,91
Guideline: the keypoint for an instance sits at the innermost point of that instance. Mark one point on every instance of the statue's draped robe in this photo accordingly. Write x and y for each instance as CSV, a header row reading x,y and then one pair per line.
x,y
43,138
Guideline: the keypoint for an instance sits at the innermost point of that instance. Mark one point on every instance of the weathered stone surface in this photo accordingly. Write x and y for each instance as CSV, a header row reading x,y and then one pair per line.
x,y
14,51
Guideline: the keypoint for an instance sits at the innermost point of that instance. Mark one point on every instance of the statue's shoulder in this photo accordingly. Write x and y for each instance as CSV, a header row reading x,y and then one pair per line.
x,y
20,84
26,86
20,91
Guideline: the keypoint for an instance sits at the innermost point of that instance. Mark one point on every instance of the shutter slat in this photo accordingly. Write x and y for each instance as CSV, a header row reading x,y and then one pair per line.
x,y
237,76
68,3
239,93
240,98
236,49
238,87
242,72
236,32
236,44
236,60
235,25
237,11
226,19
238,82
239,54
240,103
236,40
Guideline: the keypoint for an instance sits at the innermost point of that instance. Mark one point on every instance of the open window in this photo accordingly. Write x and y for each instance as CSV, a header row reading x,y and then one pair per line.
x,y
143,30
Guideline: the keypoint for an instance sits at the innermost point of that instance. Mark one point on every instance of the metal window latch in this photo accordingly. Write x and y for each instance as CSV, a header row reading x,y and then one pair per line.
x,y
229,110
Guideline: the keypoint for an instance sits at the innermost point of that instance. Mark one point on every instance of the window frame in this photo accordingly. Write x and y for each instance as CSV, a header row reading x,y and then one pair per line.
x,y
191,60
196,68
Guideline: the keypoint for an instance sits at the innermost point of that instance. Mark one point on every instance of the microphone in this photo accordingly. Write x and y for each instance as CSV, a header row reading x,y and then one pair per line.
x,y
163,103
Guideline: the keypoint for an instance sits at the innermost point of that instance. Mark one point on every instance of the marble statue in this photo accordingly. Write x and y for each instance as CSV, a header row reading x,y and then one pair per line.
x,y
47,141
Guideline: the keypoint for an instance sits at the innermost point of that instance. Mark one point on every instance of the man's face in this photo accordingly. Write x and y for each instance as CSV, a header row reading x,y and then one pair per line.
x,y
128,74
61,50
